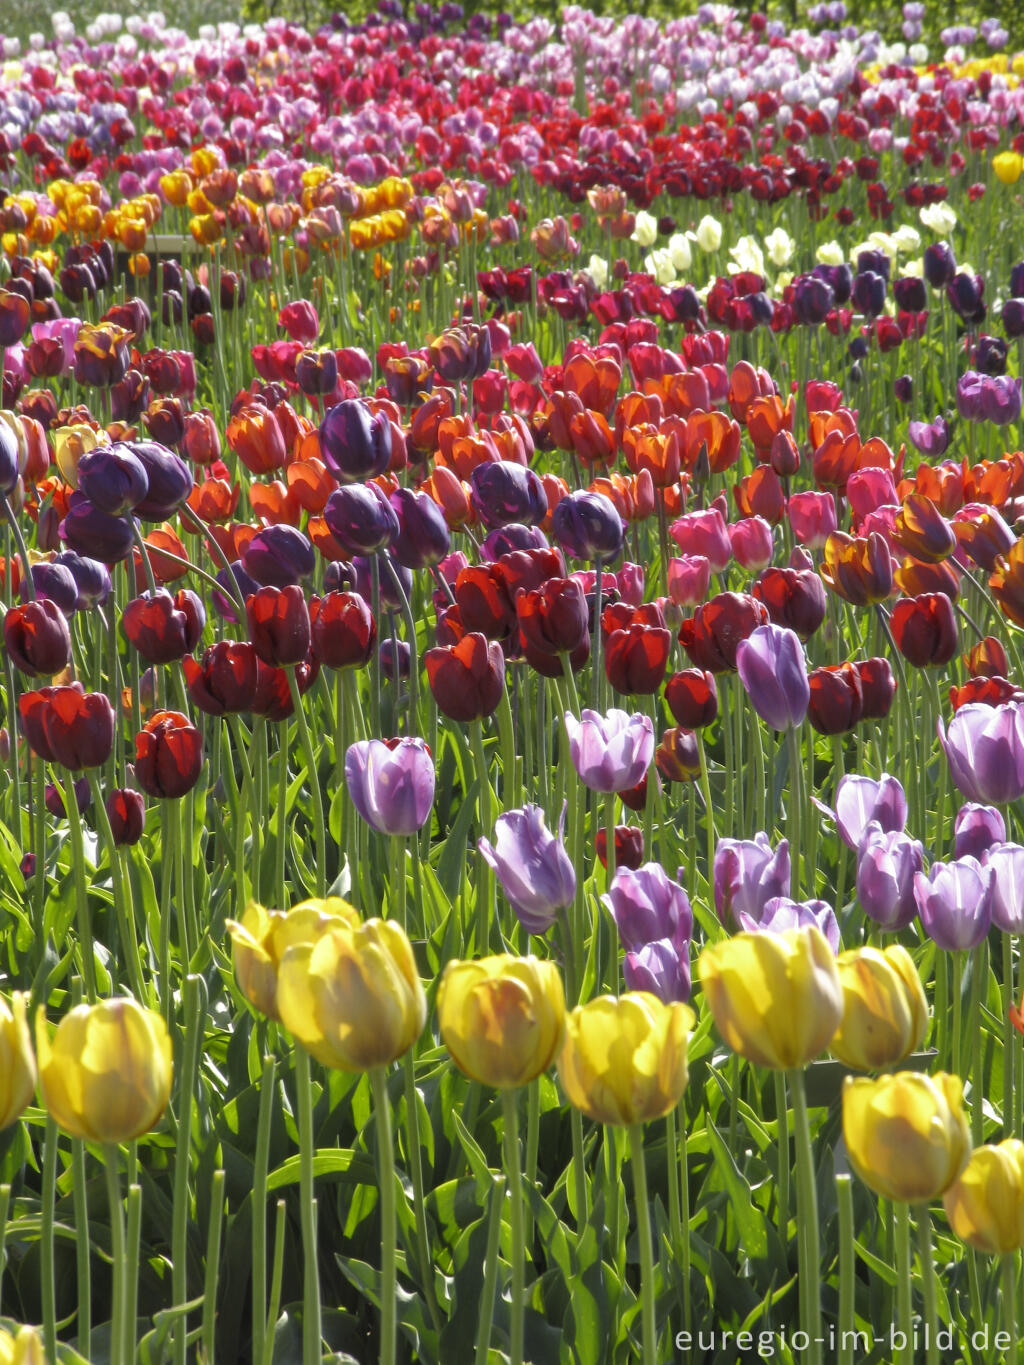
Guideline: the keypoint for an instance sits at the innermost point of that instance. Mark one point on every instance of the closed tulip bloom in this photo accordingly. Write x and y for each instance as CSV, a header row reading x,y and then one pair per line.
x,y
279,556
1005,865
661,968
553,617
467,679
624,1059
95,534
954,901
712,635
168,755
877,686
164,628
391,784
976,830
922,531
588,526
678,755
502,1018
885,1013
342,630
169,480
532,865
985,1205
423,538
861,800
704,533
356,443
782,913
887,863
92,579
773,670
505,493
610,753
794,598
924,629
68,725
906,1134
106,1074
126,811
636,658
812,517
353,999
688,580
836,701
225,680
37,638
984,747
361,518
629,840
776,998
279,628
748,873
113,478
17,1060
261,938
692,697
647,905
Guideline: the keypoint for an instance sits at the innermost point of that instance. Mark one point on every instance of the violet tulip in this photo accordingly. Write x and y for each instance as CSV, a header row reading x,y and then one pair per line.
x,y
772,668
662,968
532,865
861,800
976,830
984,747
954,901
648,905
748,873
781,913
611,753
887,862
1005,865
391,784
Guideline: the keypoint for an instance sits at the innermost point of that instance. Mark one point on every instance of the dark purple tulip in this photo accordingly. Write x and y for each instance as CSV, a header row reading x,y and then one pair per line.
x,y
1017,280
930,438
1006,867
93,533
423,538
748,873
812,300
340,576
361,581
1013,318
875,262
356,443
990,355
53,581
126,811
278,556
886,866
504,492
966,294
316,372
939,264
37,639
503,540
903,388
9,471
224,602
53,796
1001,400
170,480
647,905
909,293
661,968
113,478
977,829
868,293
970,396
588,526
361,519
532,865
773,670
839,278
782,913
391,785
954,901
395,658
861,800
91,578
984,747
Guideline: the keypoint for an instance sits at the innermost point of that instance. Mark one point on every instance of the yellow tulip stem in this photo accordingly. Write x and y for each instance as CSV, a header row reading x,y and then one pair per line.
x,y
807,1214
412,1119
904,1284
926,1255
78,1191
259,1209
649,1355
847,1267
1008,1270
485,877
311,1334
319,826
388,1225
46,1239
514,1174
74,819
131,1277
111,1164
782,1119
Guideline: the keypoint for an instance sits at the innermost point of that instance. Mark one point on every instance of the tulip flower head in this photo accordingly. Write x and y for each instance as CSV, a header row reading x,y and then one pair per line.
x,y
985,1205
610,753
773,670
261,938
502,1018
532,865
984,746
17,1060
391,784
906,1134
885,1013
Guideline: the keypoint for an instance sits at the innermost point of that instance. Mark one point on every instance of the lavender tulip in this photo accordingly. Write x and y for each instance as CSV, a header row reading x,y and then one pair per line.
x,y
532,865
887,862
977,829
748,874
772,668
661,968
861,800
954,901
391,786
610,753
1006,867
647,905
985,750
782,913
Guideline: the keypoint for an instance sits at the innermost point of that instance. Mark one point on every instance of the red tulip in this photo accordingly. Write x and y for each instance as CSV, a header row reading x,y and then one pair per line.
x,y
636,658
225,680
168,755
343,631
924,629
467,679
68,725
37,638
692,697
279,625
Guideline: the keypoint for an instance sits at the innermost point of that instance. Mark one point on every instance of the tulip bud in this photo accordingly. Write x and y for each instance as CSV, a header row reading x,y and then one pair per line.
x,y
502,1018
885,1013
985,1205
17,1060
262,937
906,1134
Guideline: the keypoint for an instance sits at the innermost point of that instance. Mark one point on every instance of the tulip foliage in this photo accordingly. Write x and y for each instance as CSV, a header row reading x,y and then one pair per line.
x,y
512,690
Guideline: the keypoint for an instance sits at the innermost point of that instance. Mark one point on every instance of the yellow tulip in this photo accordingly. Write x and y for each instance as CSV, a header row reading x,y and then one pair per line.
x,y
775,998
70,444
885,1013
906,1134
353,998
985,1207
106,1075
502,1018
24,1349
1008,166
17,1060
624,1059
263,937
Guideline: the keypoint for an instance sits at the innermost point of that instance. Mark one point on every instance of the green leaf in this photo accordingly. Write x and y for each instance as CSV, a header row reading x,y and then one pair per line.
x,y
749,1218
353,1168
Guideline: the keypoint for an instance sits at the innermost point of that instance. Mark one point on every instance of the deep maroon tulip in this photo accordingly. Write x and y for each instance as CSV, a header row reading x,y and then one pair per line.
x,y
878,688
713,634
361,519
939,264
279,627
53,798
588,526
93,533
795,598
528,568
467,679
273,698
836,698
68,725
37,638
316,372
692,697
356,443
550,665
553,617
225,680
987,658
504,493
966,294
635,659
126,811
113,478
629,846
924,629
342,630
170,480
423,538
485,603
168,755
395,658
279,556
164,628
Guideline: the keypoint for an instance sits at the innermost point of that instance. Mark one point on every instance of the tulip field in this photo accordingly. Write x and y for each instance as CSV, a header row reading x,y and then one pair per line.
x,y
512,694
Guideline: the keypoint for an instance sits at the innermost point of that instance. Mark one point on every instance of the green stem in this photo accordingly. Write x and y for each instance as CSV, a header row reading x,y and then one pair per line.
x,y
129,1305
168,858
111,1164
209,1324
311,1332
386,1177
710,836
979,977
79,1190
684,1214
1008,1269
319,826
194,1011
674,1215
807,1214
514,1174
486,1318
412,1119
485,882
46,1242
282,806
1010,1098
643,1220
81,894
904,1283
5,1205
927,1259
259,1209
122,903
782,1119
847,1268
794,822
276,1278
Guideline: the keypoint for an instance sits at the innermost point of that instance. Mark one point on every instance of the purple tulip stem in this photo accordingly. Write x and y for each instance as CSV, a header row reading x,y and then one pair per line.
x,y
485,888
595,676
979,981
410,630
